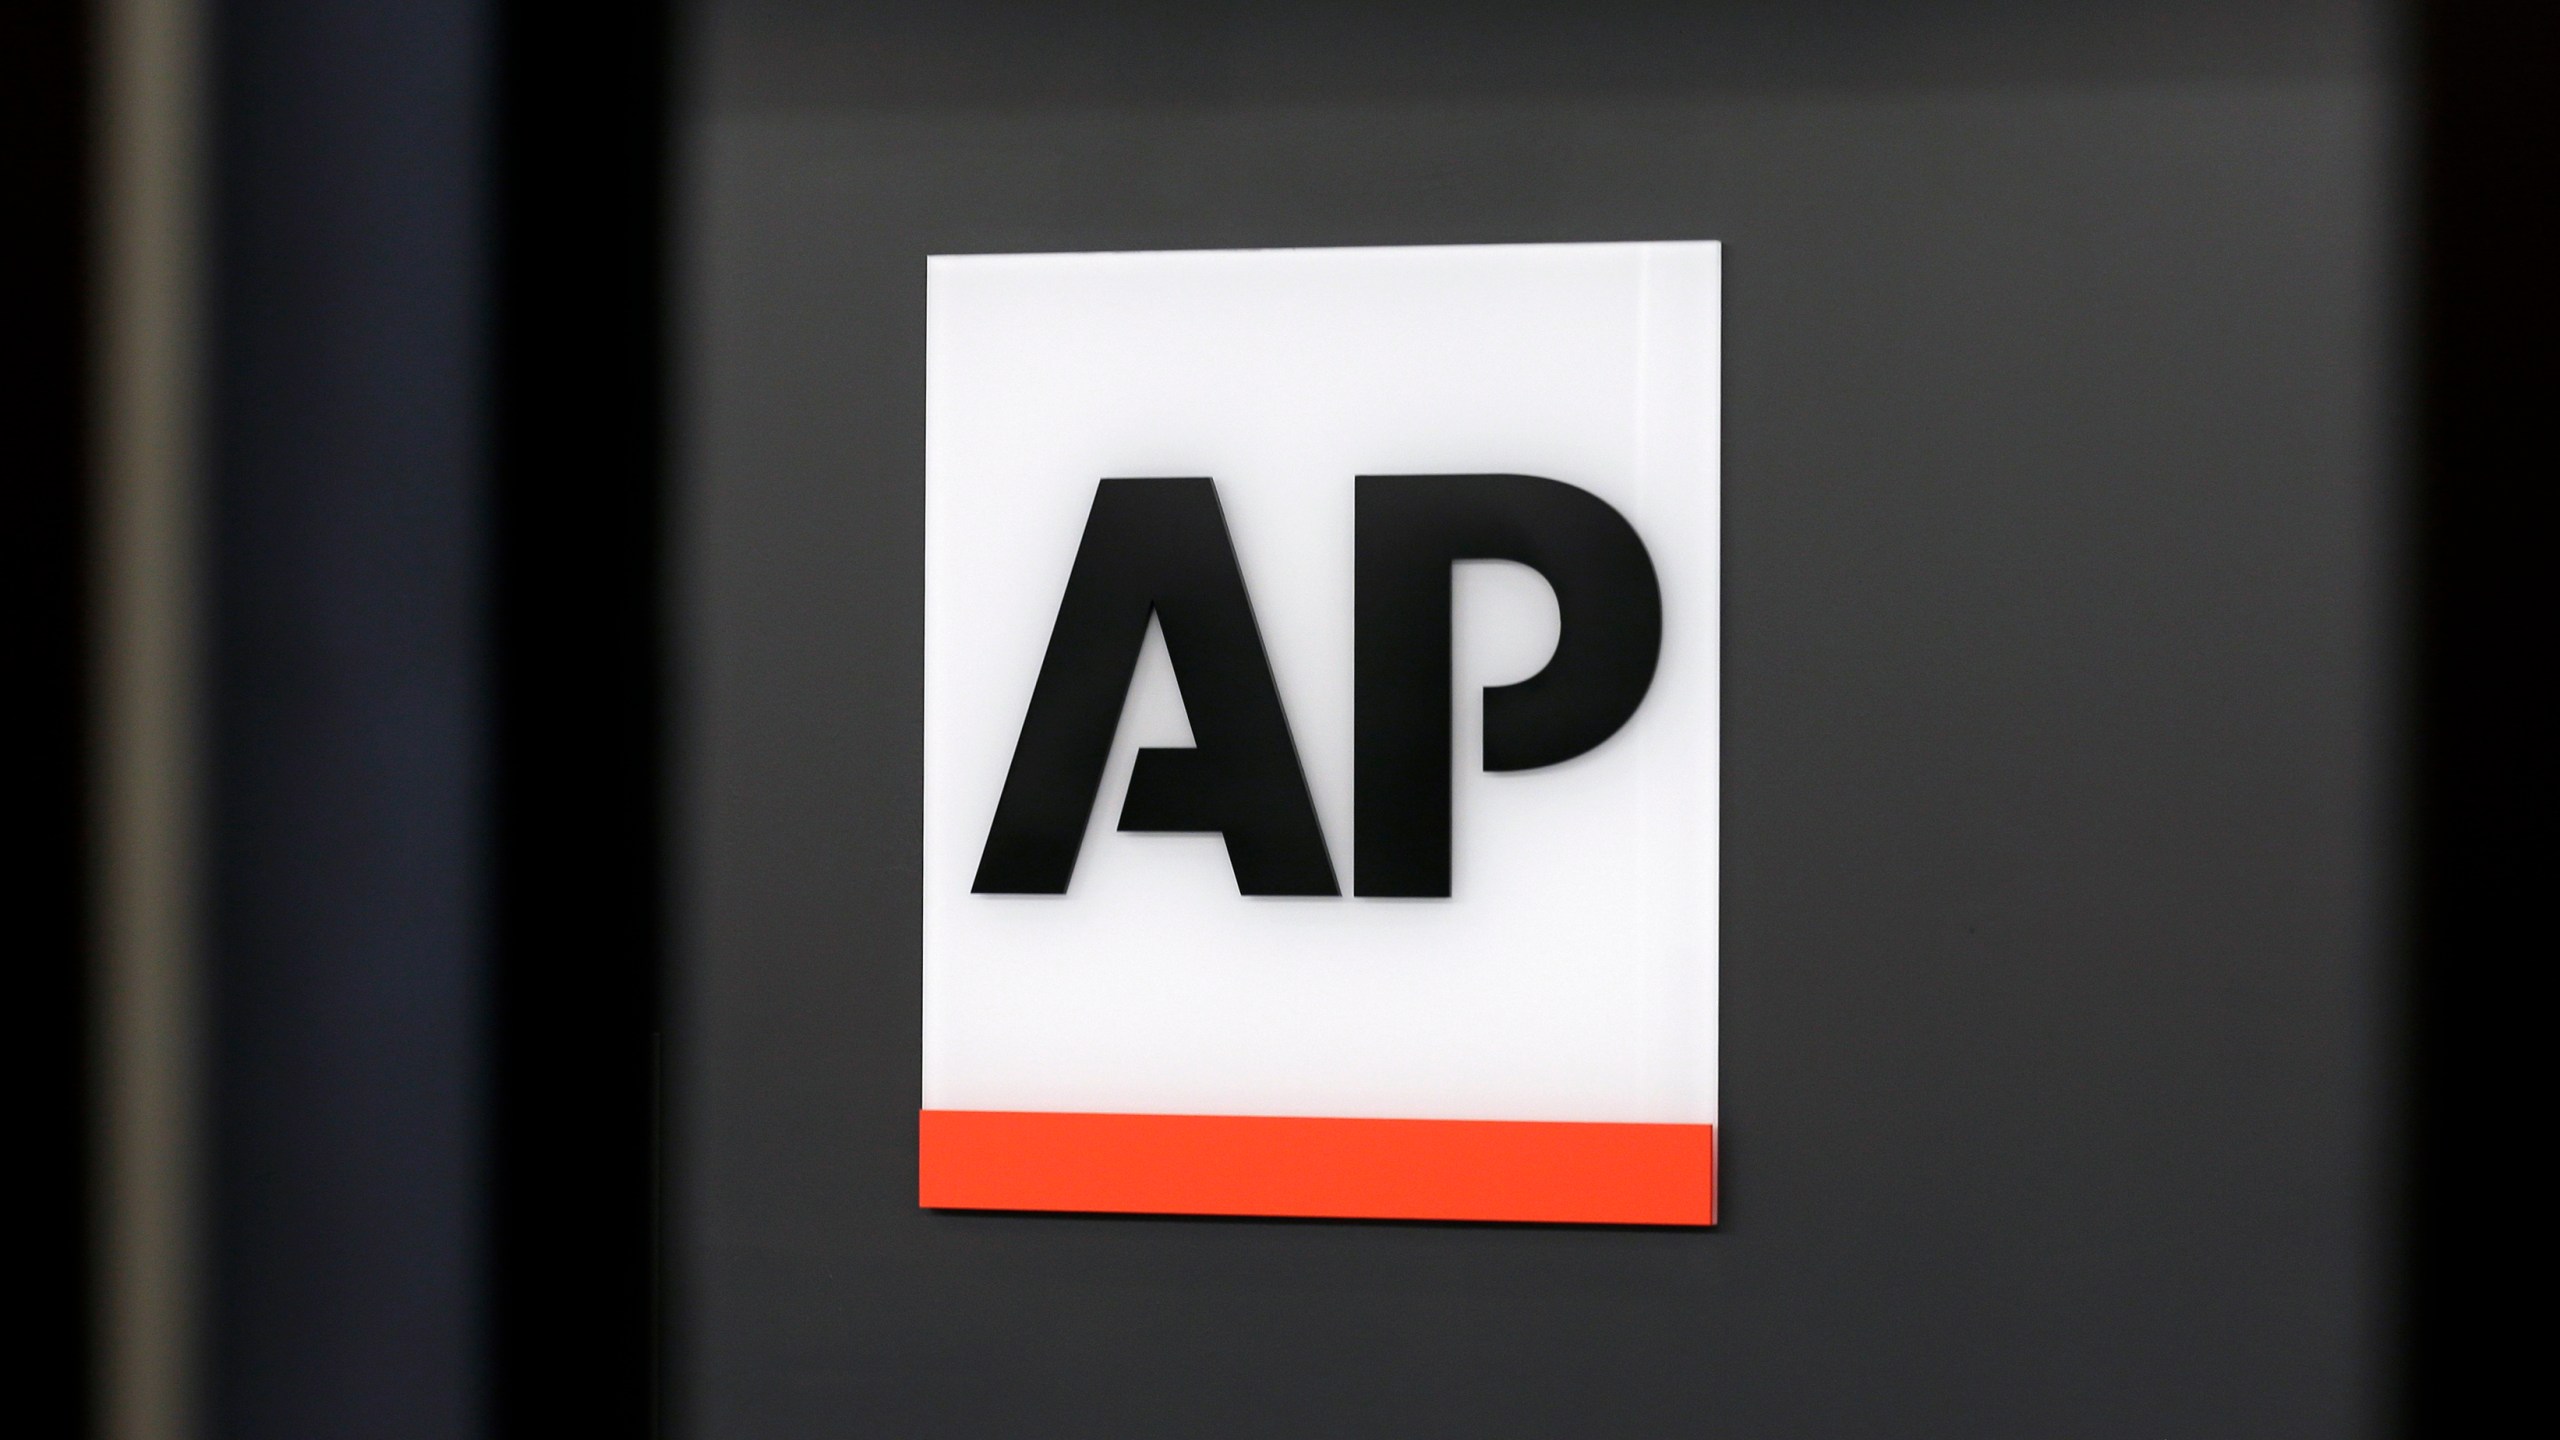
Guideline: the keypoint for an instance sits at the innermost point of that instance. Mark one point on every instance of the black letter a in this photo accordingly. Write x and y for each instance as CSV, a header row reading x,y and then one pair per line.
x,y
1157,546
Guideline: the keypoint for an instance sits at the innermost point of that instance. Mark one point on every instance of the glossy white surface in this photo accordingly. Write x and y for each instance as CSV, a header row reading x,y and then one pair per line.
x,y
1572,974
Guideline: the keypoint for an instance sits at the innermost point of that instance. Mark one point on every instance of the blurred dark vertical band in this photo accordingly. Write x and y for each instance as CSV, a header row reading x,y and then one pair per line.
x,y
579,472
46,74
346,446
2485,812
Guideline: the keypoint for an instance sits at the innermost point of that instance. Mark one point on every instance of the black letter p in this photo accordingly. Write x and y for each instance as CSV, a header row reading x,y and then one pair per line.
x,y
1411,529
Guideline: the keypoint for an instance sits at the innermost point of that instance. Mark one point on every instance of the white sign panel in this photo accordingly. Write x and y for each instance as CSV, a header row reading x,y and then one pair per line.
x,y
1321,670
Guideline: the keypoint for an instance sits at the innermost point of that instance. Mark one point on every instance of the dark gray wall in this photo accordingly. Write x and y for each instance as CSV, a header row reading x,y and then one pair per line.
x,y
2060,464
346,372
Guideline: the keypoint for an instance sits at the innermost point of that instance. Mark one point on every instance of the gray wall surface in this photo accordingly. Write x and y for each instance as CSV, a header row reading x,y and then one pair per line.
x,y
2061,458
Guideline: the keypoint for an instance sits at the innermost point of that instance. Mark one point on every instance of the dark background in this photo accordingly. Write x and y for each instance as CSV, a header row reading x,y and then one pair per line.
x,y
2066,439
344,517
47,94
439,233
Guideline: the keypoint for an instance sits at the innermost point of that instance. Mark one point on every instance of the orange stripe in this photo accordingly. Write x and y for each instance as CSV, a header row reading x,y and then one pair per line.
x,y
1598,1174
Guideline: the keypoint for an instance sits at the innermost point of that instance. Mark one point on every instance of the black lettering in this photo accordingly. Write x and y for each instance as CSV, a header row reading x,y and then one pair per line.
x,y
1157,547
1410,530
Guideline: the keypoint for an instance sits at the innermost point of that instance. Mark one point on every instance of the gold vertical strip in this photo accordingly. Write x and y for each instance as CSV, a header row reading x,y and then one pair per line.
x,y
149,228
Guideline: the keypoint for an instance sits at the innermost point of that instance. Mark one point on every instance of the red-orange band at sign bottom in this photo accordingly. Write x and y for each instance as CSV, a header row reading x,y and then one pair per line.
x,y
1515,1170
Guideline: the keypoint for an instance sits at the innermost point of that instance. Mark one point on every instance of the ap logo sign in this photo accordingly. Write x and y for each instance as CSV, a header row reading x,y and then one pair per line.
x,y
1321,733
